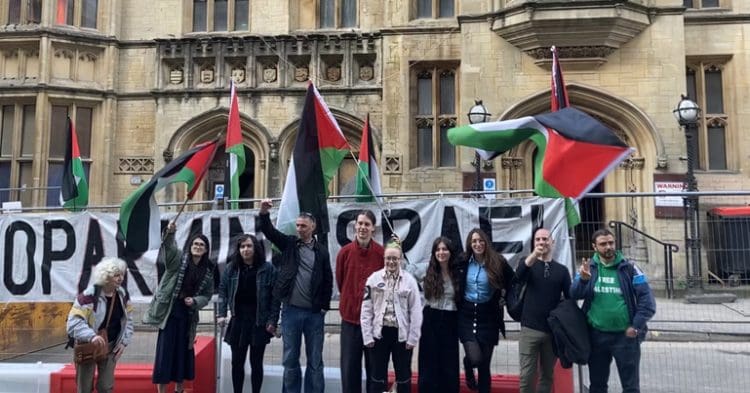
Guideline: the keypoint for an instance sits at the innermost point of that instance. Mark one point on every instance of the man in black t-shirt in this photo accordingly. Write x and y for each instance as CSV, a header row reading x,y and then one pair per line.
x,y
546,282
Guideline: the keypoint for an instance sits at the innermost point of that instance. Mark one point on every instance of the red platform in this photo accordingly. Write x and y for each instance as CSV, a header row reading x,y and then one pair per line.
x,y
563,382
136,378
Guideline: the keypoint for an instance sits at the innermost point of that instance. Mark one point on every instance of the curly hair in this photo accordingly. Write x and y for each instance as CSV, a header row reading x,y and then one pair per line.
x,y
494,262
433,279
108,268
259,252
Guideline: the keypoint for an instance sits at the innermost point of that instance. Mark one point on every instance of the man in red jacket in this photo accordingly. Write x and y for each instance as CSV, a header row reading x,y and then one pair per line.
x,y
355,262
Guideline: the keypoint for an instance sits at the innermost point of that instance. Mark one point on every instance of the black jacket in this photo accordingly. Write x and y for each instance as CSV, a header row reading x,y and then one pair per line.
x,y
496,303
570,333
322,275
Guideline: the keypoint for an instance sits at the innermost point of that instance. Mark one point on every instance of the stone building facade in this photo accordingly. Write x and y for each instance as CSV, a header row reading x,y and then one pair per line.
x,y
145,80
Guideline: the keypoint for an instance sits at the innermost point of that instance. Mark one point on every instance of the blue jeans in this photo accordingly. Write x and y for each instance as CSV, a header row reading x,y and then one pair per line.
x,y
296,322
627,354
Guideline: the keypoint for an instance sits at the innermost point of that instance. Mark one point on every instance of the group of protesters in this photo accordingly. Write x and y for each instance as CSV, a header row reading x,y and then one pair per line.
x,y
388,307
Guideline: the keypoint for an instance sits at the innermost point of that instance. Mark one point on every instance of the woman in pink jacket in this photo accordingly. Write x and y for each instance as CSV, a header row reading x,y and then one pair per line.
x,y
391,321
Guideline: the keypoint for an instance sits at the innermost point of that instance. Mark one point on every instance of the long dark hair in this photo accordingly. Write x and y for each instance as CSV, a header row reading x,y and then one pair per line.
x,y
259,253
433,279
204,257
494,263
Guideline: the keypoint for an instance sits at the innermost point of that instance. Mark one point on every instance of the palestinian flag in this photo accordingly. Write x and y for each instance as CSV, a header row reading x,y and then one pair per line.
x,y
559,100
317,154
575,151
235,149
74,192
559,96
139,214
368,174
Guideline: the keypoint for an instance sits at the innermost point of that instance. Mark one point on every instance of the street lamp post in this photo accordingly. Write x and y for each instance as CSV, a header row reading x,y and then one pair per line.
x,y
687,114
478,114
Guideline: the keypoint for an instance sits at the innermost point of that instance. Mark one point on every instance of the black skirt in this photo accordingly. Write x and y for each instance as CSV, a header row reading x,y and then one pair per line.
x,y
479,322
243,332
174,362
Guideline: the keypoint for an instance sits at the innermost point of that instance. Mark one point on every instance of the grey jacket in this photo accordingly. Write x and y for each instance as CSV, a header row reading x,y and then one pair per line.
x,y
407,304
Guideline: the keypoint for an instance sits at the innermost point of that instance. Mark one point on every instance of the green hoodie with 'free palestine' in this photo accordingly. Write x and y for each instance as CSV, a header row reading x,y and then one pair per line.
x,y
608,312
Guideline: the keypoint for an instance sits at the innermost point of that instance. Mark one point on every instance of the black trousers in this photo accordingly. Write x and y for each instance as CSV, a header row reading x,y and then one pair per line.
x,y
352,349
389,347
438,352
239,354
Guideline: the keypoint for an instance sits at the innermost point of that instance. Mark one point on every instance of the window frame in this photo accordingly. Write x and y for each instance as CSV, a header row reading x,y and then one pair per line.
x,y
699,67
435,120
338,16
17,159
77,18
210,13
25,13
73,114
698,5
435,12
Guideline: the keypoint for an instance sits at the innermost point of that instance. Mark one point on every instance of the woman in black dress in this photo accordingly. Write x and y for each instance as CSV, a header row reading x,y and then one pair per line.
x,y
438,345
485,277
245,290
185,288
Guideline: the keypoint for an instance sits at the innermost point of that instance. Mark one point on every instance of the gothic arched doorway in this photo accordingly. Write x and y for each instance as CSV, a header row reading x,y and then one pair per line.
x,y
255,137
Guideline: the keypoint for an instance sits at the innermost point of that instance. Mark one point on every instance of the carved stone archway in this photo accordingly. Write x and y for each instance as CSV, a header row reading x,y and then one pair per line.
x,y
212,124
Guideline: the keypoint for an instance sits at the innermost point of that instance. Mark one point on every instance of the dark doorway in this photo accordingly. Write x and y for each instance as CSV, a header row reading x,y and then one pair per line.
x,y
591,211
218,175
592,218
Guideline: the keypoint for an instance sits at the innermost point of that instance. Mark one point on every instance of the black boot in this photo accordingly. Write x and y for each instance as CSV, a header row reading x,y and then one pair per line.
x,y
471,380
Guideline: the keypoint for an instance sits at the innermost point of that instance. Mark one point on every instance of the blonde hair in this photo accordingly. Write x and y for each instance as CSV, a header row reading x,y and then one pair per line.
x,y
108,268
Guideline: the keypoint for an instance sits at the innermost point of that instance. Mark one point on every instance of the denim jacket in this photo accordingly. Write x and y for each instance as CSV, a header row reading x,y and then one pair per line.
x,y
635,290
407,304
264,281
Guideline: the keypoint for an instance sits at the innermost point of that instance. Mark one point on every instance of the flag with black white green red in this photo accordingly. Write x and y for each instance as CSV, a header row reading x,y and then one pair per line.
x,y
559,97
317,155
559,100
139,214
235,149
74,190
368,173
575,151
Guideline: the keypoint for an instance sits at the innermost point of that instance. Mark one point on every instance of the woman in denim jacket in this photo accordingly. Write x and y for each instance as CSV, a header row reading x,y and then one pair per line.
x,y
245,290
391,321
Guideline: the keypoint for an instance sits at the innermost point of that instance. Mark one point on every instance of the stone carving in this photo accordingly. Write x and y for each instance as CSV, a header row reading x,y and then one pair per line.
x,y
392,164
301,73
575,52
168,155
238,74
207,75
270,74
366,72
333,73
176,76
136,165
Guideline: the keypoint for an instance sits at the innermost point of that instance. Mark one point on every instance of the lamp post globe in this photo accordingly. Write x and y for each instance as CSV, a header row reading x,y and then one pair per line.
x,y
687,114
687,111
478,114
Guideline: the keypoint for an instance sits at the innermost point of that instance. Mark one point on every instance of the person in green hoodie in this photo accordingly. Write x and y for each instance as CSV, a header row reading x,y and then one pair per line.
x,y
618,302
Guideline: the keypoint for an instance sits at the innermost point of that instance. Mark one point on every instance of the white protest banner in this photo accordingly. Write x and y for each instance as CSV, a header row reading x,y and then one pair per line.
x,y
48,257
